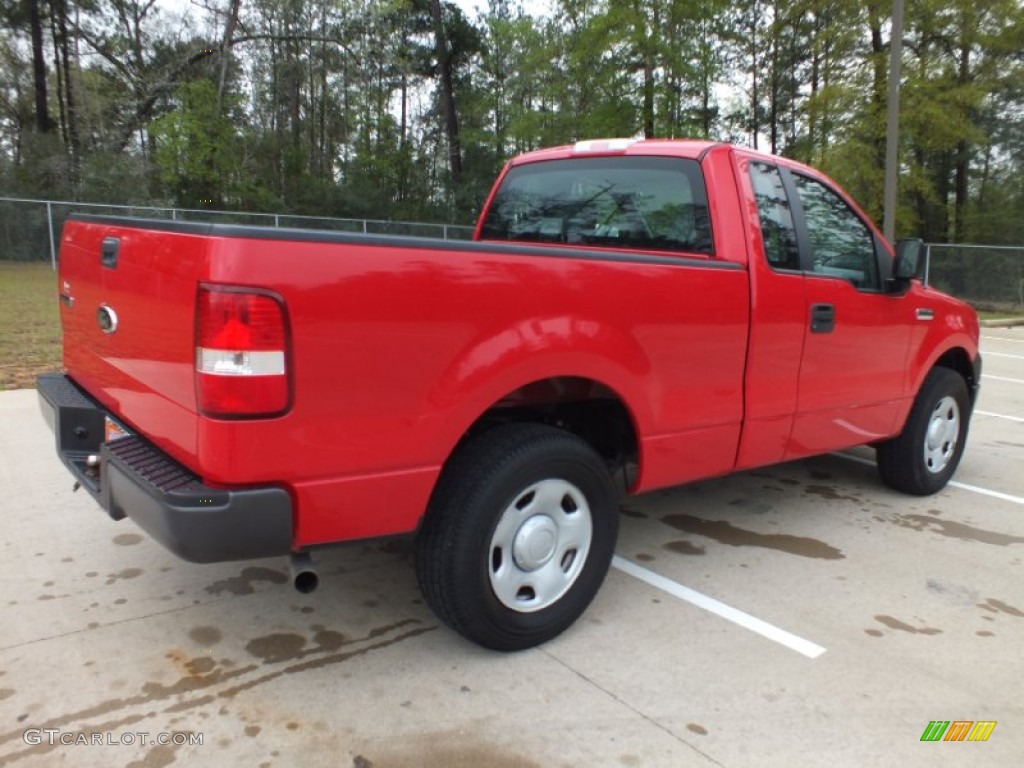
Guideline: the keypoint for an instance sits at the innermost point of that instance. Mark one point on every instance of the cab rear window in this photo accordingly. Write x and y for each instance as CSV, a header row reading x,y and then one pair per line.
x,y
647,203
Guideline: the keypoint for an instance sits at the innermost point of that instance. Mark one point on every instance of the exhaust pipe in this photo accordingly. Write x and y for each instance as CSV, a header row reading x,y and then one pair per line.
x,y
304,576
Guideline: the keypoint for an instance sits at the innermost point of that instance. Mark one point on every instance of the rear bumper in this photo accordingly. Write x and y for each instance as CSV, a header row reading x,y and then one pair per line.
x,y
135,479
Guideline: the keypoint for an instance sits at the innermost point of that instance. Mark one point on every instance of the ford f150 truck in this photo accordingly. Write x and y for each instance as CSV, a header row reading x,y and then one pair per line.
x,y
630,315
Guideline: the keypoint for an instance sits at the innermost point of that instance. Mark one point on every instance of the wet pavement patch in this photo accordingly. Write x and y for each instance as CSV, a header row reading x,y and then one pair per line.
x,y
892,623
205,635
828,492
998,606
243,583
730,535
127,573
280,646
956,530
684,547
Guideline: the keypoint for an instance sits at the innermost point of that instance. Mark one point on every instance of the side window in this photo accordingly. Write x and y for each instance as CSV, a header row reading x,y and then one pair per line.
x,y
777,228
841,244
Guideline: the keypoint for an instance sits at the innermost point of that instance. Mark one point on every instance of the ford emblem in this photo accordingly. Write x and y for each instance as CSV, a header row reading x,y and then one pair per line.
x,y
107,318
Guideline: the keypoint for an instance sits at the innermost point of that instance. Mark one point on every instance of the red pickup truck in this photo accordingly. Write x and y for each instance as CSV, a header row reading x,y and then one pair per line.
x,y
631,315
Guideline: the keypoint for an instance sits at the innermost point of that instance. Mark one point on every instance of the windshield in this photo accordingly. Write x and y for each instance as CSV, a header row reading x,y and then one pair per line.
x,y
650,203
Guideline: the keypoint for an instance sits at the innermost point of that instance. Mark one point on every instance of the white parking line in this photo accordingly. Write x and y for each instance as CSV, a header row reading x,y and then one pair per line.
x,y
736,616
954,483
1002,354
999,415
1001,378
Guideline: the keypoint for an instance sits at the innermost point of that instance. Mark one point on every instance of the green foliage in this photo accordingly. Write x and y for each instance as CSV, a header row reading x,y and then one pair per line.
x,y
196,149
339,108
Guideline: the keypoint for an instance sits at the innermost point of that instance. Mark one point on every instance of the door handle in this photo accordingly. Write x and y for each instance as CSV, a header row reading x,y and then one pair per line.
x,y
823,318
108,252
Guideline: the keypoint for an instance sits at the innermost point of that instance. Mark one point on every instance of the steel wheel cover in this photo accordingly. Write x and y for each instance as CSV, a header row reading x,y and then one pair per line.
x,y
540,545
942,434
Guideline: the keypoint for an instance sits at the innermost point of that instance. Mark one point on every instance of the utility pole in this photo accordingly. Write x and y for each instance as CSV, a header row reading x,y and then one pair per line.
x,y
893,122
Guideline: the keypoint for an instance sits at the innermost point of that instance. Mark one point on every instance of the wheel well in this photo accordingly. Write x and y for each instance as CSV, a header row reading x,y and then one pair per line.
x,y
578,405
958,360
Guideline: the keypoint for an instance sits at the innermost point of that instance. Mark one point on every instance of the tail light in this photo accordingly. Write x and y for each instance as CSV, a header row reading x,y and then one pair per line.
x,y
241,353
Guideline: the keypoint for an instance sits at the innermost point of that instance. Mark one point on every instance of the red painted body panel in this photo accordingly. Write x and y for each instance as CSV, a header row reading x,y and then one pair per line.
x,y
399,352
396,350
144,371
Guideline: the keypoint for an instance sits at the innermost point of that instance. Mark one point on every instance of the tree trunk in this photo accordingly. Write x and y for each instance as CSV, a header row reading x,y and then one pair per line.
x,y
963,154
43,121
451,118
225,50
70,95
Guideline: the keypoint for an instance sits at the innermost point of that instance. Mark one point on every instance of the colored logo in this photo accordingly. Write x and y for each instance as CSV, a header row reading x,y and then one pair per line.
x,y
958,730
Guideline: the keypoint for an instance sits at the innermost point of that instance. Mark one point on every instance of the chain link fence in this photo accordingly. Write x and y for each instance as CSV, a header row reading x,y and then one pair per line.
x,y
30,229
989,277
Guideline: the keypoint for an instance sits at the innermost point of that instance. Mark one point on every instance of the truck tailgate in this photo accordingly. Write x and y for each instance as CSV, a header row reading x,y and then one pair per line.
x,y
128,300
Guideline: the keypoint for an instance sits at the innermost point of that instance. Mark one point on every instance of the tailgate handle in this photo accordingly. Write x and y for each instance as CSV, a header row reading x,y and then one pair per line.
x,y
108,252
823,318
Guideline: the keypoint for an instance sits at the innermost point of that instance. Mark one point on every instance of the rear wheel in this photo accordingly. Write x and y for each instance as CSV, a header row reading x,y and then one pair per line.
x,y
924,456
518,536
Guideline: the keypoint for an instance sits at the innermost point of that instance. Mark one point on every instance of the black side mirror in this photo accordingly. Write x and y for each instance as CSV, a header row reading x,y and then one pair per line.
x,y
909,262
908,259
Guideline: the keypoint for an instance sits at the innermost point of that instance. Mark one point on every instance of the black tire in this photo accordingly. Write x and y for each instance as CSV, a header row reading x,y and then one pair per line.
x,y
470,581
924,456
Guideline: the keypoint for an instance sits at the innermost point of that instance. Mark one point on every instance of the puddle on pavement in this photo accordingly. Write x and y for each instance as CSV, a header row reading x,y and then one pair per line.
x,y
212,683
444,750
730,535
998,606
684,547
956,530
159,756
280,646
287,646
127,573
243,583
205,635
892,623
828,492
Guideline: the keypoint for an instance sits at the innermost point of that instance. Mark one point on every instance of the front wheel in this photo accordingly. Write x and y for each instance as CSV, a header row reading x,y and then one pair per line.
x,y
924,456
518,536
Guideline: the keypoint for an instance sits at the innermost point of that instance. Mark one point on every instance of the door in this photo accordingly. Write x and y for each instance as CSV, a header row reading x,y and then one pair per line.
x,y
777,316
856,336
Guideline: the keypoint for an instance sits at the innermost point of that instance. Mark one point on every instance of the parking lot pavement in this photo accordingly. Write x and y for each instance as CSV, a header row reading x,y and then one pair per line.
x,y
796,615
